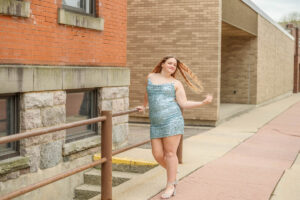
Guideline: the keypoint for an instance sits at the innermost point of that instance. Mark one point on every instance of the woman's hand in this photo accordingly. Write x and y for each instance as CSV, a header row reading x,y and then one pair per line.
x,y
141,108
208,99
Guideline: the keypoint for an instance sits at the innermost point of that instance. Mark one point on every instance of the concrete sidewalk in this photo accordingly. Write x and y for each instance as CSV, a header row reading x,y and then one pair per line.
x,y
223,163
251,170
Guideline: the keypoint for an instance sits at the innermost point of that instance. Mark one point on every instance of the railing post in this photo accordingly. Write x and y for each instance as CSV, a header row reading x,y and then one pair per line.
x,y
179,150
106,152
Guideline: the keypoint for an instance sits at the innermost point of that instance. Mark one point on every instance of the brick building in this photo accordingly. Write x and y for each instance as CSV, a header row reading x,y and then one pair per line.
x,y
241,55
60,61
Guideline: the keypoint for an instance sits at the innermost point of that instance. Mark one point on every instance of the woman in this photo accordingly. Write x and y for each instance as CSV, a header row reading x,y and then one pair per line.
x,y
166,97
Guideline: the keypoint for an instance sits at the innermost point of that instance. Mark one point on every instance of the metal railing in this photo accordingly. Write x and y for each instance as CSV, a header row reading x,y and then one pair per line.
x,y
106,153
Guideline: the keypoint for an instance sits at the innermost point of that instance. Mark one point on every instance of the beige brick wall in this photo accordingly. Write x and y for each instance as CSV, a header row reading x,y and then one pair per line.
x,y
275,62
238,69
191,31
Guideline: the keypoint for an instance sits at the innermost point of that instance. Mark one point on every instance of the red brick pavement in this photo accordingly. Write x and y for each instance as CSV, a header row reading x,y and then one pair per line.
x,y
251,170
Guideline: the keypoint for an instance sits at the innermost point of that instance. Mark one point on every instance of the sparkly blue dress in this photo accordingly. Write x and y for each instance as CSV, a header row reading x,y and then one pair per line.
x,y
164,112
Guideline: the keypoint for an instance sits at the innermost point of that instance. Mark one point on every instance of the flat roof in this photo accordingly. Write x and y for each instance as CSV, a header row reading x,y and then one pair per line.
x,y
267,17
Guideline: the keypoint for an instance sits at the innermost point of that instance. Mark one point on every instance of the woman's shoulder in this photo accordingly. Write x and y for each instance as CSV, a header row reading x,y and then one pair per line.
x,y
177,83
150,75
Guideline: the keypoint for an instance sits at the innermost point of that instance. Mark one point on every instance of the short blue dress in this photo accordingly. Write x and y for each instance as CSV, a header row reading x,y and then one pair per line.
x,y
164,112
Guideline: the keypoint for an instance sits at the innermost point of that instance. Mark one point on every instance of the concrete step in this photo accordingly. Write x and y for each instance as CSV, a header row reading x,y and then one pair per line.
x,y
124,169
97,197
130,168
85,191
93,177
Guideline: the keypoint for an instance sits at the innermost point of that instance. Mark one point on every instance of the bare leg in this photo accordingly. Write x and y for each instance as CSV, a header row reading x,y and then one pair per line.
x,y
170,145
158,151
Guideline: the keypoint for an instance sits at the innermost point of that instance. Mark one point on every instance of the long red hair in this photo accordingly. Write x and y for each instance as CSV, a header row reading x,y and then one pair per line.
x,y
189,77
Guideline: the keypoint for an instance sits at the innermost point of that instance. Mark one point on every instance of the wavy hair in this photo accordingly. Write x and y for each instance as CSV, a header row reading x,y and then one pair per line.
x,y
190,78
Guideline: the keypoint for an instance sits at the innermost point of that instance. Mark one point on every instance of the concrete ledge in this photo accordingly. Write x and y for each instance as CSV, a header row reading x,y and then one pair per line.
x,y
129,164
81,145
15,8
80,20
13,164
20,78
127,161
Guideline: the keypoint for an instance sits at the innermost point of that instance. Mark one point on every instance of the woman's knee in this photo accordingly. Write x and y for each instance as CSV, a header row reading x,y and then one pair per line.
x,y
169,154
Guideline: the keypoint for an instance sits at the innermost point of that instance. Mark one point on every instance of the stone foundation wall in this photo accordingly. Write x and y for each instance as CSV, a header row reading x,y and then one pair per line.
x,y
116,99
49,154
40,110
60,190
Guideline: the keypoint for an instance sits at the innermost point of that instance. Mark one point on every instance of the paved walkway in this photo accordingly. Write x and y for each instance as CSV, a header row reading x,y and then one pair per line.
x,y
252,170
242,158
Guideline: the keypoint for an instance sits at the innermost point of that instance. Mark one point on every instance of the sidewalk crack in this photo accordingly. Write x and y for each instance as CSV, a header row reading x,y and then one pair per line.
x,y
278,131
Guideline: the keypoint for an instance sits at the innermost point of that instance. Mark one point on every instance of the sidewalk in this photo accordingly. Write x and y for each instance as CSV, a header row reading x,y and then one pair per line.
x,y
251,170
243,158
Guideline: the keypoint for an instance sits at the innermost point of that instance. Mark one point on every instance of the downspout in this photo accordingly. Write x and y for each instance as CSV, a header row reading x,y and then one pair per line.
x,y
296,62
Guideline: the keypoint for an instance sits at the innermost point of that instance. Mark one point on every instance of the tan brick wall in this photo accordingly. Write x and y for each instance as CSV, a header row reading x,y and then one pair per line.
x,y
189,30
275,62
238,69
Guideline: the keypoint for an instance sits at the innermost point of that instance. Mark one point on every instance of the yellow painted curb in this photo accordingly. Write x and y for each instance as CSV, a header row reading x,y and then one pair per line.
x,y
127,161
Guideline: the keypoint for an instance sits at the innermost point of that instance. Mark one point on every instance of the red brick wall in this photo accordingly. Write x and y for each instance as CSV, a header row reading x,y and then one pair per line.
x,y
39,39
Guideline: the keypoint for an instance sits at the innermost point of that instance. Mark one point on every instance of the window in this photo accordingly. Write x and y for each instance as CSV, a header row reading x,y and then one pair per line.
x,y
82,6
80,106
8,125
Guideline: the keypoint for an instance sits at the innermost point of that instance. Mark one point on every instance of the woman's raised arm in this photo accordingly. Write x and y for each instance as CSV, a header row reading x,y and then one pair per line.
x,y
184,103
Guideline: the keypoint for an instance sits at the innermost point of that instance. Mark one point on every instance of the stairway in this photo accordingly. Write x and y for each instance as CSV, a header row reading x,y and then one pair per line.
x,y
120,174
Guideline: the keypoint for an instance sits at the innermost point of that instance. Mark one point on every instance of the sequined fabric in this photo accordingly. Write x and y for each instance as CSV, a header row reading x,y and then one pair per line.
x,y
164,112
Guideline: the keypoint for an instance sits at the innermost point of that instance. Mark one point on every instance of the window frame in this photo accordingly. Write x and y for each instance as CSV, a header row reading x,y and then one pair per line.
x,y
15,117
94,113
81,10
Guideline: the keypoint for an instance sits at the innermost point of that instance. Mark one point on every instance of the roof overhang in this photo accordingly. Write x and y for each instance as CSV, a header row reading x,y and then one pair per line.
x,y
239,15
243,14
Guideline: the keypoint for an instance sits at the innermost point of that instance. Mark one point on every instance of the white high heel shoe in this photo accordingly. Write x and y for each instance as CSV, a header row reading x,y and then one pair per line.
x,y
168,194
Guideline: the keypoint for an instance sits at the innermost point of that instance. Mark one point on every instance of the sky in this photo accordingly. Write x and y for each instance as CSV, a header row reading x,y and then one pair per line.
x,y
276,9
